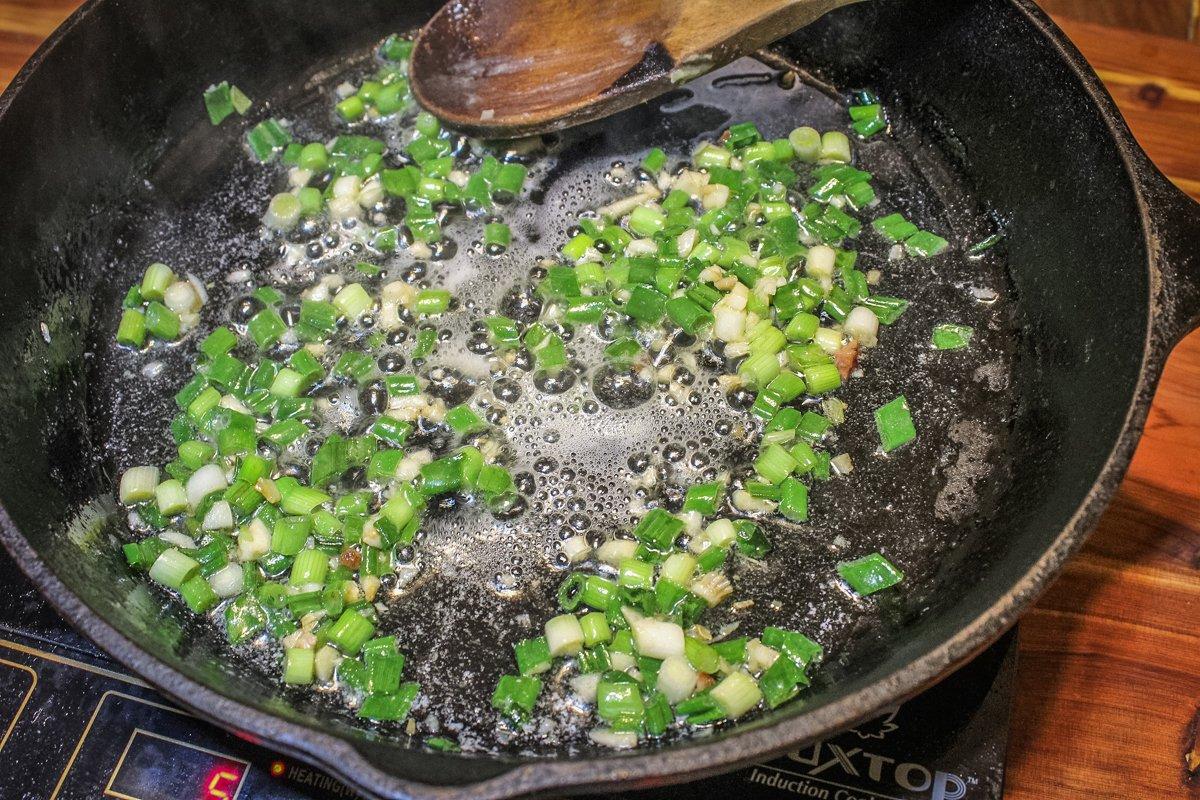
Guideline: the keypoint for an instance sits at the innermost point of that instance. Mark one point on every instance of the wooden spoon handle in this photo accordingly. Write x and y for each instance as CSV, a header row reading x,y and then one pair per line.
x,y
702,30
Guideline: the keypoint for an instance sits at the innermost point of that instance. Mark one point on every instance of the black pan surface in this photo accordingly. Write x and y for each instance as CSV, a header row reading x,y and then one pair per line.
x,y
1014,432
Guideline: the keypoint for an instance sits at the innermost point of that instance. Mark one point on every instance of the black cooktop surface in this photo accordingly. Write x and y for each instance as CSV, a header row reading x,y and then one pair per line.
x,y
75,724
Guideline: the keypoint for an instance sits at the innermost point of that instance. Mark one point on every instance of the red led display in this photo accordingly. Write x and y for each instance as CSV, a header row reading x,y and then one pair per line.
x,y
221,782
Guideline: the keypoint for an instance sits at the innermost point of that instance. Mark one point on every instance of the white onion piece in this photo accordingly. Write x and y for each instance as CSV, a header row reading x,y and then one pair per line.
x,y
693,521
737,349
744,501
564,635
372,192
842,464
138,484
759,656
715,195
720,533
676,679
862,324
299,178
203,482
614,551
227,581
622,662
686,242
606,737
178,539
326,661
632,615
835,409
576,549
219,517
198,285
657,639
820,261
828,340
639,247
584,686
619,208
231,402
739,295
410,466
181,297
729,323
347,186
713,587
253,541
690,181
343,208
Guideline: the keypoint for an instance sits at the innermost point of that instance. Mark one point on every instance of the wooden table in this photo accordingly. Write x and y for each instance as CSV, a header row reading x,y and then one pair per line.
x,y
1110,658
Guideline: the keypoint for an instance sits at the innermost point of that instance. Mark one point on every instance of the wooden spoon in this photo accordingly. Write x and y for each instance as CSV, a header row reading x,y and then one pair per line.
x,y
504,68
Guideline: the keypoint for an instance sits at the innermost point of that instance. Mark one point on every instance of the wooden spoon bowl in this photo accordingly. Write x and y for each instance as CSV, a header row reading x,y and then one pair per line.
x,y
505,68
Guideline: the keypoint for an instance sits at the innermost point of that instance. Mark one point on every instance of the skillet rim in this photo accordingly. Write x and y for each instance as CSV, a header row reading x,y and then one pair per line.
x,y
341,758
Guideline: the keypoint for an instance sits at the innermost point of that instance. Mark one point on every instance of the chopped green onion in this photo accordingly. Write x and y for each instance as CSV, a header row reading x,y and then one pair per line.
x,y
132,329
172,568
869,574
774,464
533,655
806,143
162,321
984,245
646,305
351,108
689,315
654,161
895,227
392,707
948,336
925,244
736,694
888,309
867,120
464,421
218,102
267,138
432,301
895,424
496,236
620,704
426,342
350,632
704,498
793,500
515,696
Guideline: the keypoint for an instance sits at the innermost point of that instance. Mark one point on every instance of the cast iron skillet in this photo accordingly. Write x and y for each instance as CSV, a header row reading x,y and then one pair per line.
x,y
1102,254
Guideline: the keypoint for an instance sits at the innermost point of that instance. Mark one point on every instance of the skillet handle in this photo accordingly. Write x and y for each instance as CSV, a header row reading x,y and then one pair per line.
x,y
1174,220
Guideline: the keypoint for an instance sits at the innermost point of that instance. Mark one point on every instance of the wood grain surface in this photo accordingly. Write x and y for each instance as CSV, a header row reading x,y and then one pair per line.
x,y
1109,678
1178,18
